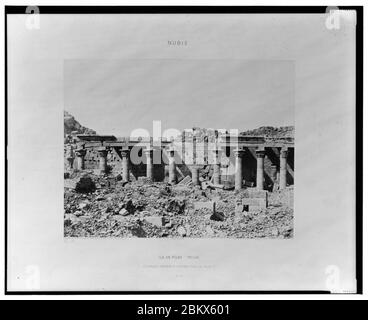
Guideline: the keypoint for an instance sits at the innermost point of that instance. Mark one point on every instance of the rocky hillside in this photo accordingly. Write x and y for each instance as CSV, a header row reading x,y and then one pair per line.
x,y
271,132
266,131
70,125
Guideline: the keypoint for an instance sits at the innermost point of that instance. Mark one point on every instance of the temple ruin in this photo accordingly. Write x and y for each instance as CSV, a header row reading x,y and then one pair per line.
x,y
203,183
238,161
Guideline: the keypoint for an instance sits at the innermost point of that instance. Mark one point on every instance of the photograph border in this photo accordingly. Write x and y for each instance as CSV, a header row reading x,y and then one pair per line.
x,y
210,10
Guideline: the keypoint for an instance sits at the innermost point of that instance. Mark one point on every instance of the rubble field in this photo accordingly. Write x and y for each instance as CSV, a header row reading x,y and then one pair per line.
x,y
103,206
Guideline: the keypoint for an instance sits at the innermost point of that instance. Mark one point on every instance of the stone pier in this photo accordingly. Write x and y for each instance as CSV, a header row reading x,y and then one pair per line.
x,y
125,164
283,169
70,162
172,166
216,166
80,158
149,165
239,154
102,152
70,158
273,173
260,169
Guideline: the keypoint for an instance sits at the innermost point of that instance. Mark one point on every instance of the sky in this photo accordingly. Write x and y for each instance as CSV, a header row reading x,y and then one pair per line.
x,y
117,73
117,96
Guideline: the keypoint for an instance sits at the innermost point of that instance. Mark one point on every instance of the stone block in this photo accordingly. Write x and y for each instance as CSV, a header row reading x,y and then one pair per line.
x,y
182,231
185,181
204,205
254,208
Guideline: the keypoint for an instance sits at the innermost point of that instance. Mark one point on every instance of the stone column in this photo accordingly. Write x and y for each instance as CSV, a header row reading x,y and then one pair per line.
x,y
260,168
172,166
216,166
283,170
70,162
149,172
195,174
239,153
125,164
102,152
273,173
80,158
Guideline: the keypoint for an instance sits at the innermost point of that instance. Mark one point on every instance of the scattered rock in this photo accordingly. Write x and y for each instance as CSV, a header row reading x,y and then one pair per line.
x,y
209,231
187,228
117,218
240,208
238,217
217,216
70,219
124,212
85,185
78,213
83,205
175,205
287,231
169,225
127,207
158,210
274,232
182,231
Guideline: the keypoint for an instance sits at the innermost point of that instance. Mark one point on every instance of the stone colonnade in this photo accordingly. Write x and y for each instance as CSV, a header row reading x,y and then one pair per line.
x,y
260,153
239,154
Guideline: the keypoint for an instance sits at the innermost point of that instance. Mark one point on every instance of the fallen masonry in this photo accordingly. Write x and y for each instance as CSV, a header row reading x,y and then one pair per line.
x,y
106,195
158,209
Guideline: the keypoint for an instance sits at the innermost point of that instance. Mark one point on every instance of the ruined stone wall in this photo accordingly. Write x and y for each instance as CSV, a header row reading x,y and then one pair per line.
x,y
203,156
